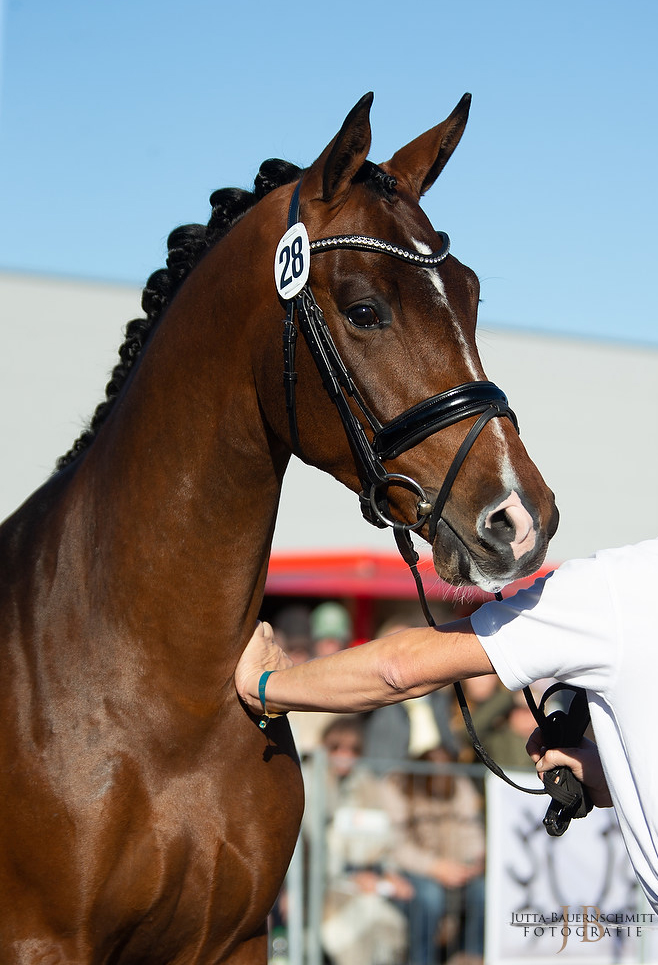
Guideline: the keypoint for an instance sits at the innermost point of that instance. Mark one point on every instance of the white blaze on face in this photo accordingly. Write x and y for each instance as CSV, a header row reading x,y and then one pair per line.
x,y
508,476
516,515
466,350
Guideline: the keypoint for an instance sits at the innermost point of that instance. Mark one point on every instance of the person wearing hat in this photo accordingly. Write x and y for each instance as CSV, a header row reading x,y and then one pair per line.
x,y
292,627
331,628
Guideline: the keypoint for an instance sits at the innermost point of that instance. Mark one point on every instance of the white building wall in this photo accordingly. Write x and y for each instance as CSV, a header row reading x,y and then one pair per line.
x,y
588,412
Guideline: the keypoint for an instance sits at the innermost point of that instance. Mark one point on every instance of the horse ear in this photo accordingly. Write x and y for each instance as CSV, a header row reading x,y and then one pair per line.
x,y
331,175
422,160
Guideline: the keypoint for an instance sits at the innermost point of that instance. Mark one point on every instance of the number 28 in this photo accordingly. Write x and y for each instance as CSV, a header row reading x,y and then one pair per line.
x,y
292,259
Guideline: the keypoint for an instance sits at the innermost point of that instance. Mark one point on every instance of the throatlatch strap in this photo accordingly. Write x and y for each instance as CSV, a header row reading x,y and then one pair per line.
x,y
290,374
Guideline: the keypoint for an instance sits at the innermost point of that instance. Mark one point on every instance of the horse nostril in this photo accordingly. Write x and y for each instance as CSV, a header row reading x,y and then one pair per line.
x,y
501,526
510,524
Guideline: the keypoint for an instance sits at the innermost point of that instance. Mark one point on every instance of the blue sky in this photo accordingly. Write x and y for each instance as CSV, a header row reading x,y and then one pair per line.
x,y
119,117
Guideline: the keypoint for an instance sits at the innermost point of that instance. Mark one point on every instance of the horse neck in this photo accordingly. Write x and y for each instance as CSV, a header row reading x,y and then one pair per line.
x,y
183,482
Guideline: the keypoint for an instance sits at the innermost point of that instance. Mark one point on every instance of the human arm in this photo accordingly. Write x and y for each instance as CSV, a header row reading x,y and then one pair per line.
x,y
583,760
409,663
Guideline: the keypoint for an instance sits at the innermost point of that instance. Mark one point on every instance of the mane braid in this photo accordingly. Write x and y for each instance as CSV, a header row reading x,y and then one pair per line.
x,y
186,246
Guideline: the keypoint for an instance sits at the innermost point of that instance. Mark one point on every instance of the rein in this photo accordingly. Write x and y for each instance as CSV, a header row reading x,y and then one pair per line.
x,y
482,399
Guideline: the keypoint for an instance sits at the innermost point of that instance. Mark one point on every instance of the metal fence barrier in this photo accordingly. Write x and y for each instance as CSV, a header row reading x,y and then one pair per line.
x,y
299,932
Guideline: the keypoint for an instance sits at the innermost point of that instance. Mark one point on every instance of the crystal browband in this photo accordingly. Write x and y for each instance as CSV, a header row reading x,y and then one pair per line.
x,y
364,243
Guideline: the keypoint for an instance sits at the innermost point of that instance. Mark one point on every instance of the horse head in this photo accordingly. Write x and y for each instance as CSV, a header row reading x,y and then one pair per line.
x,y
395,316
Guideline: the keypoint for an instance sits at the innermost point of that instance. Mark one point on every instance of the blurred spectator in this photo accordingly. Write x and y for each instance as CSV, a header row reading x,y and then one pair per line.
x,y
408,729
331,628
298,626
502,719
361,924
308,728
441,850
292,626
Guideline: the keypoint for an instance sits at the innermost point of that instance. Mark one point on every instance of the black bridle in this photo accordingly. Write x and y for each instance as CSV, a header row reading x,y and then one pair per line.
x,y
482,399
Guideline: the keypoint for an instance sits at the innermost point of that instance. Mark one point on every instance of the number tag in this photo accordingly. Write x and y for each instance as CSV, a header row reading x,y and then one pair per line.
x,y
292,261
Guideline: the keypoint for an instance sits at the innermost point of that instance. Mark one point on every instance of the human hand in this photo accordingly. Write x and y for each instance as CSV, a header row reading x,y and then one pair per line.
x,y
452,874
365,881
583,760
261,653
401,887
389,885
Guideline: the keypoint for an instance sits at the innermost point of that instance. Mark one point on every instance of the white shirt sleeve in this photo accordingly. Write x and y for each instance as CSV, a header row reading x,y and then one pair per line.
x,y
564,626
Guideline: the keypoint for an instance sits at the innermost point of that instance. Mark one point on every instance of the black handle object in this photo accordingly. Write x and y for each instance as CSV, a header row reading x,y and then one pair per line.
x,y
569,800
559,729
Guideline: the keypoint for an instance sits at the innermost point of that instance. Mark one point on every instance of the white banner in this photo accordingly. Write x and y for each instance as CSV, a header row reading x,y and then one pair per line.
x,y
574,896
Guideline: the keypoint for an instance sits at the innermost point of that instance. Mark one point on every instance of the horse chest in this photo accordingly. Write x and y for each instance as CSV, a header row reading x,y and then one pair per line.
x,y
167,855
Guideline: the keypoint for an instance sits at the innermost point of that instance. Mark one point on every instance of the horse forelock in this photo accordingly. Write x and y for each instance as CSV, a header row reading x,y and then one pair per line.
x,y
384,184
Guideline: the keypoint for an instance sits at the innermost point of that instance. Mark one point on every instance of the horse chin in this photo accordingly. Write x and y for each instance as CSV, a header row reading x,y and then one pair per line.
x,y
460,566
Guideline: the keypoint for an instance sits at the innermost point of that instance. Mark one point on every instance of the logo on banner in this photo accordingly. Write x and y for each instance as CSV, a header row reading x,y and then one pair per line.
x,y
585,924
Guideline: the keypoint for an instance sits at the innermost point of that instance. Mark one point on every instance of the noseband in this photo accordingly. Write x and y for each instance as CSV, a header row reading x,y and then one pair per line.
x,y
482,399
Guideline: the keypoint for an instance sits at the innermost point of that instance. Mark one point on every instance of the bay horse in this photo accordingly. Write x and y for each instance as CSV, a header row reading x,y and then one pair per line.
x,y
145,816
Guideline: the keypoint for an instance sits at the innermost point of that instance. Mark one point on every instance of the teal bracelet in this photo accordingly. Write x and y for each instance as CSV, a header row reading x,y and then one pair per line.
x,y
264,677
265,718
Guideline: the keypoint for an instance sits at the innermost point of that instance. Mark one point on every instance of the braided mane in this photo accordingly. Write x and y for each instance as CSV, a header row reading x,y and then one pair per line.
x,y
186,245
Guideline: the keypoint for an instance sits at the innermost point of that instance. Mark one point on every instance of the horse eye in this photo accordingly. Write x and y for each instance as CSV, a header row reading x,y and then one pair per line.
x,y
363,316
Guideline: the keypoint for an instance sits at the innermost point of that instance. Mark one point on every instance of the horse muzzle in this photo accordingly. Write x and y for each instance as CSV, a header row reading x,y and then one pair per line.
x,y
507,543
